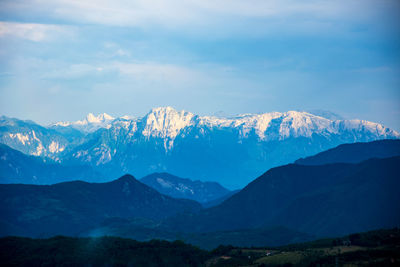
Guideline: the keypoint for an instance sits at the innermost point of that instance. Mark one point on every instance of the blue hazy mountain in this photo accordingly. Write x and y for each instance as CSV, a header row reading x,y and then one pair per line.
x,y
16,167
229,151
318,200
71,207
33,139
354,153
324,200
177,187
218,201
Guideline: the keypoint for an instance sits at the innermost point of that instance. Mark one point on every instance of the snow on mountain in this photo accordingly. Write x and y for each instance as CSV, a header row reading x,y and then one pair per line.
x,y
31,138
177,187
292,124
167,123
326,114
90,124
180,142
214,148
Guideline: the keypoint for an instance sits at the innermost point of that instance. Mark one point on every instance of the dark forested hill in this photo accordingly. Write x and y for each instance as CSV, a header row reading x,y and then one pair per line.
x,y
71,207
105,251
323,200
354,153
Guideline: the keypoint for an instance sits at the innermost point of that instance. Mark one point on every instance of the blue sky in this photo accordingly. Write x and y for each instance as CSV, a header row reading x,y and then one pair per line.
x,y
60,60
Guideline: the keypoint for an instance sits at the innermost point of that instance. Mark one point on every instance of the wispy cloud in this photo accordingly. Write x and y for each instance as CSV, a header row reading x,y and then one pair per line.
x,y
231,15
33,31
113,49
236,55
90,73
71,72
157,71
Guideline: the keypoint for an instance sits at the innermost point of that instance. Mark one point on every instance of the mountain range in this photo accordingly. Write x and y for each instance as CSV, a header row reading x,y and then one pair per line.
x,y
231,151
290,202
19,168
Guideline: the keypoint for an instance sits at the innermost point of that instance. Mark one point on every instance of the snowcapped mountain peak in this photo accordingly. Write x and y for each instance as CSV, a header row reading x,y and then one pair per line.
x,y
247,140
166,109
166,122
90,118
90,124
127,117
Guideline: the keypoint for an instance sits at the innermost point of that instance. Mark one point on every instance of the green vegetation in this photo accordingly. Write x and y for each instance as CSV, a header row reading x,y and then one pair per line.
x,y
102,251
375,248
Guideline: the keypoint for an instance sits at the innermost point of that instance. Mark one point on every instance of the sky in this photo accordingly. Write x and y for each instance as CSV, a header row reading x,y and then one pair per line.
x,y
61,59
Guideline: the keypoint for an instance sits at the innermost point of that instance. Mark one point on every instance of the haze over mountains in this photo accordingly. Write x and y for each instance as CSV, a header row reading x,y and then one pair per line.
x,y
16,167
231,151
286,204
322,200
177,187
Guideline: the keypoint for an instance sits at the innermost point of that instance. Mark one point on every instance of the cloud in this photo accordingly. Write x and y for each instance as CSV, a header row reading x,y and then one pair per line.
x,y
72,72
113,50
143,71
34,32
233,16
156,71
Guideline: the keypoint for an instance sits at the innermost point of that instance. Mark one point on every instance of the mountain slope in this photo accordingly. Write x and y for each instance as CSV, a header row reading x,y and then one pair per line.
x,y
218,201
33,139
322,200
229,151
177,187
354,153
71,207
16,167
90,124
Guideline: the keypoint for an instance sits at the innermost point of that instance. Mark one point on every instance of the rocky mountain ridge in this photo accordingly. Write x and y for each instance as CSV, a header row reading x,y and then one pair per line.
x,y
231,151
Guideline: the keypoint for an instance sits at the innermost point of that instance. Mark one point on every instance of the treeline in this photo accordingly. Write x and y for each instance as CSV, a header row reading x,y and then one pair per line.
x,y
374,248
102,251
375,238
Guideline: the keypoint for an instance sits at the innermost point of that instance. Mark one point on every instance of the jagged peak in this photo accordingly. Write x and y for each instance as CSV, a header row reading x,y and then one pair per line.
x,y
167,111
91,118
89,124
127,117
166,122
163,109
